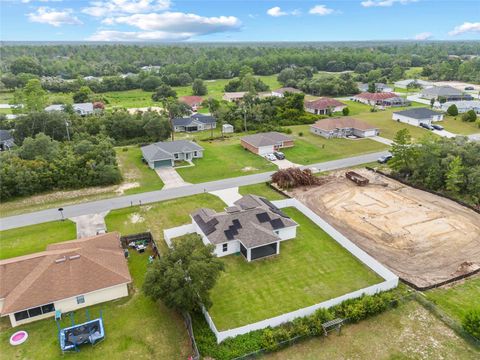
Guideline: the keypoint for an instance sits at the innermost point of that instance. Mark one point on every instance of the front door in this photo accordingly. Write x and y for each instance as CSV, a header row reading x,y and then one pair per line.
x,y
187,156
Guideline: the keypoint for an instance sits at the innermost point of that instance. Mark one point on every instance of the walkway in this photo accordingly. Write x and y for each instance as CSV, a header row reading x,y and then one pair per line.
x,y
229,196
99,206
382,140
170,177
90,225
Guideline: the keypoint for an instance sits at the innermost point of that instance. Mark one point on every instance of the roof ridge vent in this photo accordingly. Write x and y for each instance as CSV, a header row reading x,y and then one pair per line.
x,y
73,257
60,260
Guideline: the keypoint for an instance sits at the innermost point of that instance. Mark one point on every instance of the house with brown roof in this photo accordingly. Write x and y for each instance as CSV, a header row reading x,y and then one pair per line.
x,y
384,99
67,276
282,91
266,143
253,226
194,102
324,106
343,127
234,96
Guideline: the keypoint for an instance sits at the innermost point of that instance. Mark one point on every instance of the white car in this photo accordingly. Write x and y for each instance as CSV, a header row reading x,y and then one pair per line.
x,y
270,157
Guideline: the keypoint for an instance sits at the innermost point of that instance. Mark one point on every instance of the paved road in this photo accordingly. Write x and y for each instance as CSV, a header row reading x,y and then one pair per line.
x,y
99,206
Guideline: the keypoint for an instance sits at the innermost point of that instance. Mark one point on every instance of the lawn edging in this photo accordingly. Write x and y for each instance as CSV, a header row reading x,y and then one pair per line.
x,y
391,280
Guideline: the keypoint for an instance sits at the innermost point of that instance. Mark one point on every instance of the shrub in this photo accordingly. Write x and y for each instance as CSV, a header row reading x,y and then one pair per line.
x,y
471,322
452,110
300,133
346,111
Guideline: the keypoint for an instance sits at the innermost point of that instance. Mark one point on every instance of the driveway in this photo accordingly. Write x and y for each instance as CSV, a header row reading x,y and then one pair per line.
x,y
382,140
444,133
170,178
229,196
89,225
285,164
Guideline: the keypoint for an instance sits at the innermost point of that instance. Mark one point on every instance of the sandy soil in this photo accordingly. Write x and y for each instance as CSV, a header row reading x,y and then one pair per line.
x,y
423,238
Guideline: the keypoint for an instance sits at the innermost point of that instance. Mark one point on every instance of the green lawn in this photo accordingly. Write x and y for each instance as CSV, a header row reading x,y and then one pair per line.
x,y
136,172
34,238
457,300
455,125
224,159
310,269
311,149
261,189
129,99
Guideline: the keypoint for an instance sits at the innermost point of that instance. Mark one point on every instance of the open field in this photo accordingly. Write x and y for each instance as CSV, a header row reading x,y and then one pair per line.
x,y
457,126
261,190
458,298
310,269
34,238
423,238
406,332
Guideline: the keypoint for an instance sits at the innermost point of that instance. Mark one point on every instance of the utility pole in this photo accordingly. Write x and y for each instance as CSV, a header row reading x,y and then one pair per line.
x,y
68,133
245,118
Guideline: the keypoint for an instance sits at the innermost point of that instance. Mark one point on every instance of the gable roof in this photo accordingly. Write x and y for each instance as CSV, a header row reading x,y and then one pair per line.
x,y
64,270
194,119
289,89
418,113
234,95
191,100
323,103
252,221
79,107
266,139
342,123
165,150
376,96
442,91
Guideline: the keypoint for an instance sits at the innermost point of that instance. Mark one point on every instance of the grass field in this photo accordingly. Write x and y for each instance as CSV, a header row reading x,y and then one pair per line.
x,y
457,126
458,299
405,333
310,268
224,159
34,238
261,190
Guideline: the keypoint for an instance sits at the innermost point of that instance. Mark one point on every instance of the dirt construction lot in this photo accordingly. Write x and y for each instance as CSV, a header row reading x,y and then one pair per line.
x,y
423,238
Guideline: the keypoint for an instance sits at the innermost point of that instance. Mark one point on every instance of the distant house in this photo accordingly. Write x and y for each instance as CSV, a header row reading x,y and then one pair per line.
x,y
82,109
417,116
446,92
227,128
253,227
281,92
151,68
379,87
381,99
266,143
194,123
67,276
164,154
92,78
194,102
6,140
234,96
343,127
324,106
403,84
462,106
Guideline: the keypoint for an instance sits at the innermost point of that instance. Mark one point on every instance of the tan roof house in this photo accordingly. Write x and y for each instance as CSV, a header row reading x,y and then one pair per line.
x,y
67,276
266,143
234,96
324,106
343,127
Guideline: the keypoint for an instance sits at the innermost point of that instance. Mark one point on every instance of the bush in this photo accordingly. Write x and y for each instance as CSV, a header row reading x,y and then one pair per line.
x,y
346,111
300,133
452,110
471,322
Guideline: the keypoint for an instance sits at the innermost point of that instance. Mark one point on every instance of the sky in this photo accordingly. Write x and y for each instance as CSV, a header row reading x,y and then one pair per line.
x,y
232,20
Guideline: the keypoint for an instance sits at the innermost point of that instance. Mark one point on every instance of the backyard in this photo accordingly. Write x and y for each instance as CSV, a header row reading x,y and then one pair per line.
x,y
310,269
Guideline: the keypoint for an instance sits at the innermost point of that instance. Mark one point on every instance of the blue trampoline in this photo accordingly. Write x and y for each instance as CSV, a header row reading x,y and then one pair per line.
x,y
90,332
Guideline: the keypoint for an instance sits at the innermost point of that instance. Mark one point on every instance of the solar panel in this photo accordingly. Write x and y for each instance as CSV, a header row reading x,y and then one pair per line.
x,y
277,224
237,224
263,217
229,235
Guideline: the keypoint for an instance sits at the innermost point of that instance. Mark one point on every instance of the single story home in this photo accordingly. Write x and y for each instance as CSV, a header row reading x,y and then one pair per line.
x,y
82,109
448,93
379,87
462,106
227,128
194,102
381,99
403,84
234,96
343,127
281,92
67,276
6,140
253,226
417,116
196,122
266,143
163,154
324,106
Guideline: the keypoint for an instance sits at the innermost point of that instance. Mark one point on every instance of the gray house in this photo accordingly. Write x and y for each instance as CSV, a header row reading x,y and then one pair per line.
x,y
80,108
163,154
447,92
196,122
417,116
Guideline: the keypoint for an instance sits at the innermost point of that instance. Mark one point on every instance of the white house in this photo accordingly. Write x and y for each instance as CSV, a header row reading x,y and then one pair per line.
x,y
343,127
266,143
462,106
417,116
253,227
164,154
66,277
82,109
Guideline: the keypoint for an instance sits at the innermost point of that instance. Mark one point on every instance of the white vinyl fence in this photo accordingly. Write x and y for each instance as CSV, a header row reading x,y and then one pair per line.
x,y
172,233
391,280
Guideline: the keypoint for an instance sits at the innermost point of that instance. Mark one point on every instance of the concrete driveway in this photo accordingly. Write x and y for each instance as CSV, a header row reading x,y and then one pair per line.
x,y
170,177
89,225
229,196
285,164
444,133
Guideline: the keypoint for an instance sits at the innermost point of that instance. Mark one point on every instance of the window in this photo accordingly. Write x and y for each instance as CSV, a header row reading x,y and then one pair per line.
x,y
277,232
80,299
176,156
21,315
194,153
34,312
48,308
225,247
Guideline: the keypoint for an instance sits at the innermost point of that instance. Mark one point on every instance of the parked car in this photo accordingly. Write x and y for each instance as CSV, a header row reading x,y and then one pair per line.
x,y
437,127
270,157
427,126
279,155
384,159
469,88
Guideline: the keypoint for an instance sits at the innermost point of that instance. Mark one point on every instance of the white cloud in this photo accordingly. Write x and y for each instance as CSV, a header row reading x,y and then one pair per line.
x,y
465,27
423,36
111,35
320,10
385,3
116,7
54,17
276,12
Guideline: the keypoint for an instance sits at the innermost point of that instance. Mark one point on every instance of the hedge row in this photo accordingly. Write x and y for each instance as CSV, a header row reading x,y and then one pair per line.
x,y
271,339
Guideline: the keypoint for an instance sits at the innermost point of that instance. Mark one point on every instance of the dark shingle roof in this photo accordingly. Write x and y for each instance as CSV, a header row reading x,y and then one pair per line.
x,y
442,91
266,139
198,118
418,113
